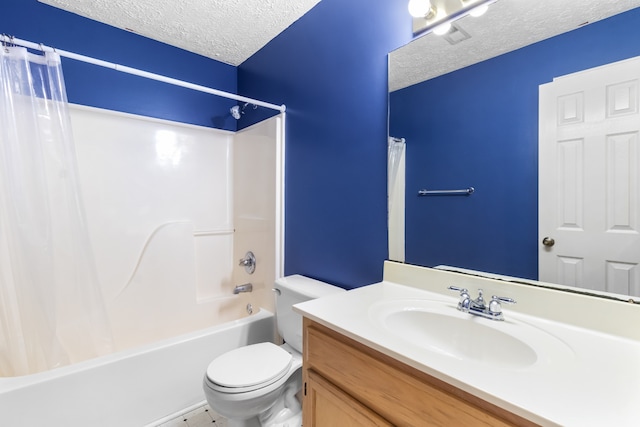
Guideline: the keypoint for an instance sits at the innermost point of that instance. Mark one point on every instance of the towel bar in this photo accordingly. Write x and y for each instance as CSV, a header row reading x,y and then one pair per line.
x,y
464,192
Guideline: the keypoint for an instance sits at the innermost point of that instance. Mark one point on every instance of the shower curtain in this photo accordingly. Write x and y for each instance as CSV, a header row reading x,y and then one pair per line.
x,y
394,156
395,194
51,309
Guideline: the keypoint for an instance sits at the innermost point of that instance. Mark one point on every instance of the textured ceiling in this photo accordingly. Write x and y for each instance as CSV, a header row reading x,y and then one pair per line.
x,y
231,31
507,26
228,31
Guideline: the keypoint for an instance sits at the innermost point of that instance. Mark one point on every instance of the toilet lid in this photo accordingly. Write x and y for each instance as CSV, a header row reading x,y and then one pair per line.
x,y
250,366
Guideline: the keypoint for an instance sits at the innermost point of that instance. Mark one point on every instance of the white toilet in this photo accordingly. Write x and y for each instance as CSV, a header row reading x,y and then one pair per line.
x,y
256,385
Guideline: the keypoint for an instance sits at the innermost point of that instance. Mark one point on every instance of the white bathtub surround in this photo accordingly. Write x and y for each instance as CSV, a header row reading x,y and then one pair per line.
x,y
168,220
151,189
585,350
258,208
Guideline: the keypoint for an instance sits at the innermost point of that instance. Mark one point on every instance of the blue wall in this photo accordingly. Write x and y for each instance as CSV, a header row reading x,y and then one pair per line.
x,y
479,127
100,87
330,69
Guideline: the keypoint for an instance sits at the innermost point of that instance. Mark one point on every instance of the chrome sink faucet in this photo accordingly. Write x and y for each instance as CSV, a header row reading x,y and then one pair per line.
x,y
478,306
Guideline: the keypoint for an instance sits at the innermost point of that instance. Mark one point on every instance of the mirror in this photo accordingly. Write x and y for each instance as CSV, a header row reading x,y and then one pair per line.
x,y
469,114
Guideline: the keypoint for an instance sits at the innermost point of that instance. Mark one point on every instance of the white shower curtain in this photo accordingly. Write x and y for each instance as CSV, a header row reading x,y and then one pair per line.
x,y
394,159
395,194
51,309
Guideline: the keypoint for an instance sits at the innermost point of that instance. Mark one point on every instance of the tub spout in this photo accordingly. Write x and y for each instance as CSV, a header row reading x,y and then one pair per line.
x,y
247,287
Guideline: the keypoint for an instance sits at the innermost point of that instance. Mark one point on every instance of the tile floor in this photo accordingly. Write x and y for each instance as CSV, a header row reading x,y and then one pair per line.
x,y
199,417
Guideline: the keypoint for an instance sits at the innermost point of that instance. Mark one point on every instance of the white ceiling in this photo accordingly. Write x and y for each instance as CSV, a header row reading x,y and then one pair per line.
x,y
228,31
231,31
507,26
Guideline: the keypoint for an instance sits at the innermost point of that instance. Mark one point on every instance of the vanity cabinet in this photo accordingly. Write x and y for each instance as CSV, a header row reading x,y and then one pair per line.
x,y
349,384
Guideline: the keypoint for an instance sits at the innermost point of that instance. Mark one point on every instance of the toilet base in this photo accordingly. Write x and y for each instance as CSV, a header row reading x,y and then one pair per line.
x,y
251,422
287,411
286,418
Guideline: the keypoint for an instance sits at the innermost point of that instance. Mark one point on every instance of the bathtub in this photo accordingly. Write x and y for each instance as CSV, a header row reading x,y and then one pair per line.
x,y
134,387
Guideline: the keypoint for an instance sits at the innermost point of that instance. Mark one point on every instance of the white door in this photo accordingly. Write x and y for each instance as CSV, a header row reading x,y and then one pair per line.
x,y
589,213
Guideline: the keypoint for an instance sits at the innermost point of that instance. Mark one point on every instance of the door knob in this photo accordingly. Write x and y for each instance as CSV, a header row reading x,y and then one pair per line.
x,y
548,241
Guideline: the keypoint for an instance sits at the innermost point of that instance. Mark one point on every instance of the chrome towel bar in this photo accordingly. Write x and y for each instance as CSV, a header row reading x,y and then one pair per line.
x,y
464,192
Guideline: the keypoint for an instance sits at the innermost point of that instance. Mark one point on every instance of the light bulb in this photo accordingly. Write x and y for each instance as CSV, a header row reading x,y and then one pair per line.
x,y
442,29
419,8
479,11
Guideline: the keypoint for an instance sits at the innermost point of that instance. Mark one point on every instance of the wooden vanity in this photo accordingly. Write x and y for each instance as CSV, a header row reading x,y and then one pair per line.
x,y
349,384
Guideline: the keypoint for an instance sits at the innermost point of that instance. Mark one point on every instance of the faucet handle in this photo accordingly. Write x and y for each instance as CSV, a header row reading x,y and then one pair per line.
x,y
494,306
464,292
465,299
457,289
248,262
503,299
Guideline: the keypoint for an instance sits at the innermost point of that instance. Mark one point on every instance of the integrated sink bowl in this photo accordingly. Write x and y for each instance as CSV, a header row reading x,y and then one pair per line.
x,y
440,328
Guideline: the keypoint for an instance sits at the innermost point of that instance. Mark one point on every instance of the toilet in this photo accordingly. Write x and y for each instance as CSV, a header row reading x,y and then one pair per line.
x,y
256,385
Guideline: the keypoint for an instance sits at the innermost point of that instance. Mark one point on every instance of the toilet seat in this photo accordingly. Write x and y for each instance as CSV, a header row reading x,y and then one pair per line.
x,y
248,368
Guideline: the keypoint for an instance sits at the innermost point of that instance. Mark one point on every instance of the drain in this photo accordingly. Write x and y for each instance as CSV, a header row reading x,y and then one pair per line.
x,y
249,309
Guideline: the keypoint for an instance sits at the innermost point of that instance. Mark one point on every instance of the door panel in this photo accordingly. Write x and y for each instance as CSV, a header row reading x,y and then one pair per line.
x,y
588,179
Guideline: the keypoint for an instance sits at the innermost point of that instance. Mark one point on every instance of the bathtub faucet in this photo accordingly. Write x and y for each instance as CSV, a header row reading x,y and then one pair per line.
x,y
248,262
247,287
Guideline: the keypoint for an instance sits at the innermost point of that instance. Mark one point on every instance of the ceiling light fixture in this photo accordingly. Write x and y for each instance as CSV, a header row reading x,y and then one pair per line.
x,y
442,29
421,9
479,10
428,17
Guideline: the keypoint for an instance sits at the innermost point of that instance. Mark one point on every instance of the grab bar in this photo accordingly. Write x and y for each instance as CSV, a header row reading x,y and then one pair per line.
x,y
465,192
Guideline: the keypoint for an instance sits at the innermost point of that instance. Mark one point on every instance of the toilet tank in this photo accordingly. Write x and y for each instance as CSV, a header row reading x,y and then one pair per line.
x,y
291,290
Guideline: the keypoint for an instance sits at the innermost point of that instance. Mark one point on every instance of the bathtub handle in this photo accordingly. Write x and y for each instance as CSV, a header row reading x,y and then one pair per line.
x,y
248,262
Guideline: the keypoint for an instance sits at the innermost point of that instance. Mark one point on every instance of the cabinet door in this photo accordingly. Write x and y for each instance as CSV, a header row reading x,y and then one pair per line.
x,y
327,406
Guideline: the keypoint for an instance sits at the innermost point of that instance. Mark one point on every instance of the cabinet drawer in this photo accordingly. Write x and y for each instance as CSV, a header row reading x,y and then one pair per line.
x,y
399,393
328,406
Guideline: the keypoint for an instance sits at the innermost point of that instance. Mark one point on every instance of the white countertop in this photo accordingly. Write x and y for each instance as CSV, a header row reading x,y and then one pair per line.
x,y
596,382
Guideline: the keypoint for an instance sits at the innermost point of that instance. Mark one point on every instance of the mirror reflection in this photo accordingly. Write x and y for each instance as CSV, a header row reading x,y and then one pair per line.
x,y
471,116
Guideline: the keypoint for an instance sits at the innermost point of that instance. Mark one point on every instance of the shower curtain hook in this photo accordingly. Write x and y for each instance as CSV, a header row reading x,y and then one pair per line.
x,y
6,42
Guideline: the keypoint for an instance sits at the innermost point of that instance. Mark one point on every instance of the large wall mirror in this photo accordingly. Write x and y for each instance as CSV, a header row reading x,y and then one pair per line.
x,y
467,107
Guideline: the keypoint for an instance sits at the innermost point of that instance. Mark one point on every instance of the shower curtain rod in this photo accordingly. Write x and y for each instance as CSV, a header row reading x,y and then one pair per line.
x,y
122,68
